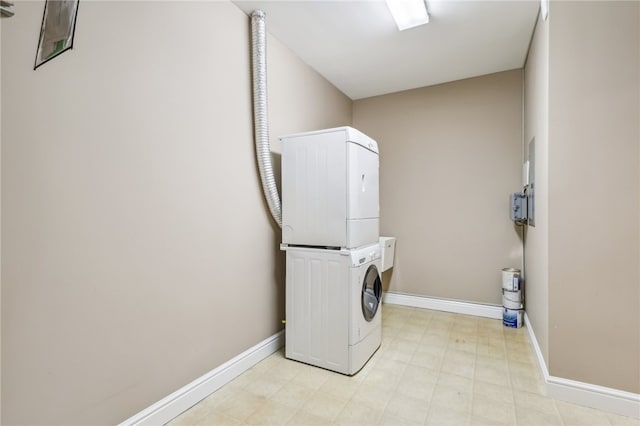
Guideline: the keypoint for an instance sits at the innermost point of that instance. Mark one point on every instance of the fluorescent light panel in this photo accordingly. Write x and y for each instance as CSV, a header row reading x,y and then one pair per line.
x,y
408,13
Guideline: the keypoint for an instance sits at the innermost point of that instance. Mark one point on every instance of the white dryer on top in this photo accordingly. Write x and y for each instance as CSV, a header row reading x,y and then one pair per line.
x,y
330,189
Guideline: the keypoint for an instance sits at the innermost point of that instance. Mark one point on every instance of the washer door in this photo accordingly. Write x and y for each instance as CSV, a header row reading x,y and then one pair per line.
x,y
371,293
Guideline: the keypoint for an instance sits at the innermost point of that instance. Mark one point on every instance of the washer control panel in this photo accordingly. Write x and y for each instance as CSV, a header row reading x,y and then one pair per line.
x,y
365,255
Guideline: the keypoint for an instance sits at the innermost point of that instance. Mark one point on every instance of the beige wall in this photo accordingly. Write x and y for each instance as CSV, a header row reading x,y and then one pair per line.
x,y
450,157
137,250
1,20
536,125
594,250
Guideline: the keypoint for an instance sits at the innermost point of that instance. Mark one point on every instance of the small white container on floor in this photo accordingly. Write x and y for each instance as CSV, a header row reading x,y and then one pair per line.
x,y
511,279
512,299
512,318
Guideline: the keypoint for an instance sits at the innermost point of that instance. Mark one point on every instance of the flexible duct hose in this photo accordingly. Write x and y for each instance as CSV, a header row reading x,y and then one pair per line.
x,y
260,122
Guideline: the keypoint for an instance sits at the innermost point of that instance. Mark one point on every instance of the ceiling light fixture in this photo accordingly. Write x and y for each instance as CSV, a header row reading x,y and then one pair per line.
x,y
408,13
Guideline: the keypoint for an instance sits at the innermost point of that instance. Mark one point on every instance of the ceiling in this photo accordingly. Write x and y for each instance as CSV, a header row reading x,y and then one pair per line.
x,y
355,44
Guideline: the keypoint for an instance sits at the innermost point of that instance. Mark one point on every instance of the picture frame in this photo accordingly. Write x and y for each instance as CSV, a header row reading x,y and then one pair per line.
x,y
57,30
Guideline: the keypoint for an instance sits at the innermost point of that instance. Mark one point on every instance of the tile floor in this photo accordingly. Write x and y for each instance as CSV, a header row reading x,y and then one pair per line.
x,y
433,368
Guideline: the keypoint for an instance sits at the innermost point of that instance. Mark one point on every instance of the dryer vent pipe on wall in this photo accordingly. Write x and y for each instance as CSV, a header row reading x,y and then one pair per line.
x,y
260,119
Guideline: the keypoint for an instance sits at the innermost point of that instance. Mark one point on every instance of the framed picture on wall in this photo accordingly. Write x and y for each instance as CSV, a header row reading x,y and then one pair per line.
x,y
58,28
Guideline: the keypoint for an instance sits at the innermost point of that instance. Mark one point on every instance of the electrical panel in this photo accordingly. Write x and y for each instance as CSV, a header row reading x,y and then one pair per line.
x,y
518,207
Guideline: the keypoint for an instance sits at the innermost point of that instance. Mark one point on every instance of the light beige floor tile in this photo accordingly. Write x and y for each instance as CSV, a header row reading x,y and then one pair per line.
x,y
407,408
418,382
460,363
302,418
213,400
391,366
190,417
462,334
454,381
521,353
431,340
440,319
245,378
375,396
462,343
355,413
522,368
391,320
324,405
617,420
481,421
534,401
389,332
492,351
293,395
496,411
494,372
420,373
400,351
403,345
490,323
447,416
216,419
529,417
366,369
285,369
265,386
417,324
270,362
396,317
494,392
340,386
388,420
465,327
451,398
527,383
416,387
414,326
271,413
486,361
444,316
438,330
425,314
495,340
490,332
382,378
241,406
312,377
439,324
576,415
437,349
530,361
410,335
427,360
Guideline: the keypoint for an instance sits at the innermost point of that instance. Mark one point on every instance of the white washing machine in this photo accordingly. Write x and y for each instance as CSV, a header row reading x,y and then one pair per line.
x,y
330,188
333,306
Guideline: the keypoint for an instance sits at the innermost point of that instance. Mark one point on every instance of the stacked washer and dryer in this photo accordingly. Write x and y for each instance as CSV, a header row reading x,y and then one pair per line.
x,y
330,232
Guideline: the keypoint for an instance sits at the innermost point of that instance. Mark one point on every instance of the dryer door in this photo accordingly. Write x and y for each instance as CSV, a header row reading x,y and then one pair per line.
x,y
371,293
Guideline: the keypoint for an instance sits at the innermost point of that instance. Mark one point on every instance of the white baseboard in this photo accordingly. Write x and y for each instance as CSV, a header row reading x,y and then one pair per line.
x,y
172,405
466,308
594,396
541,362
